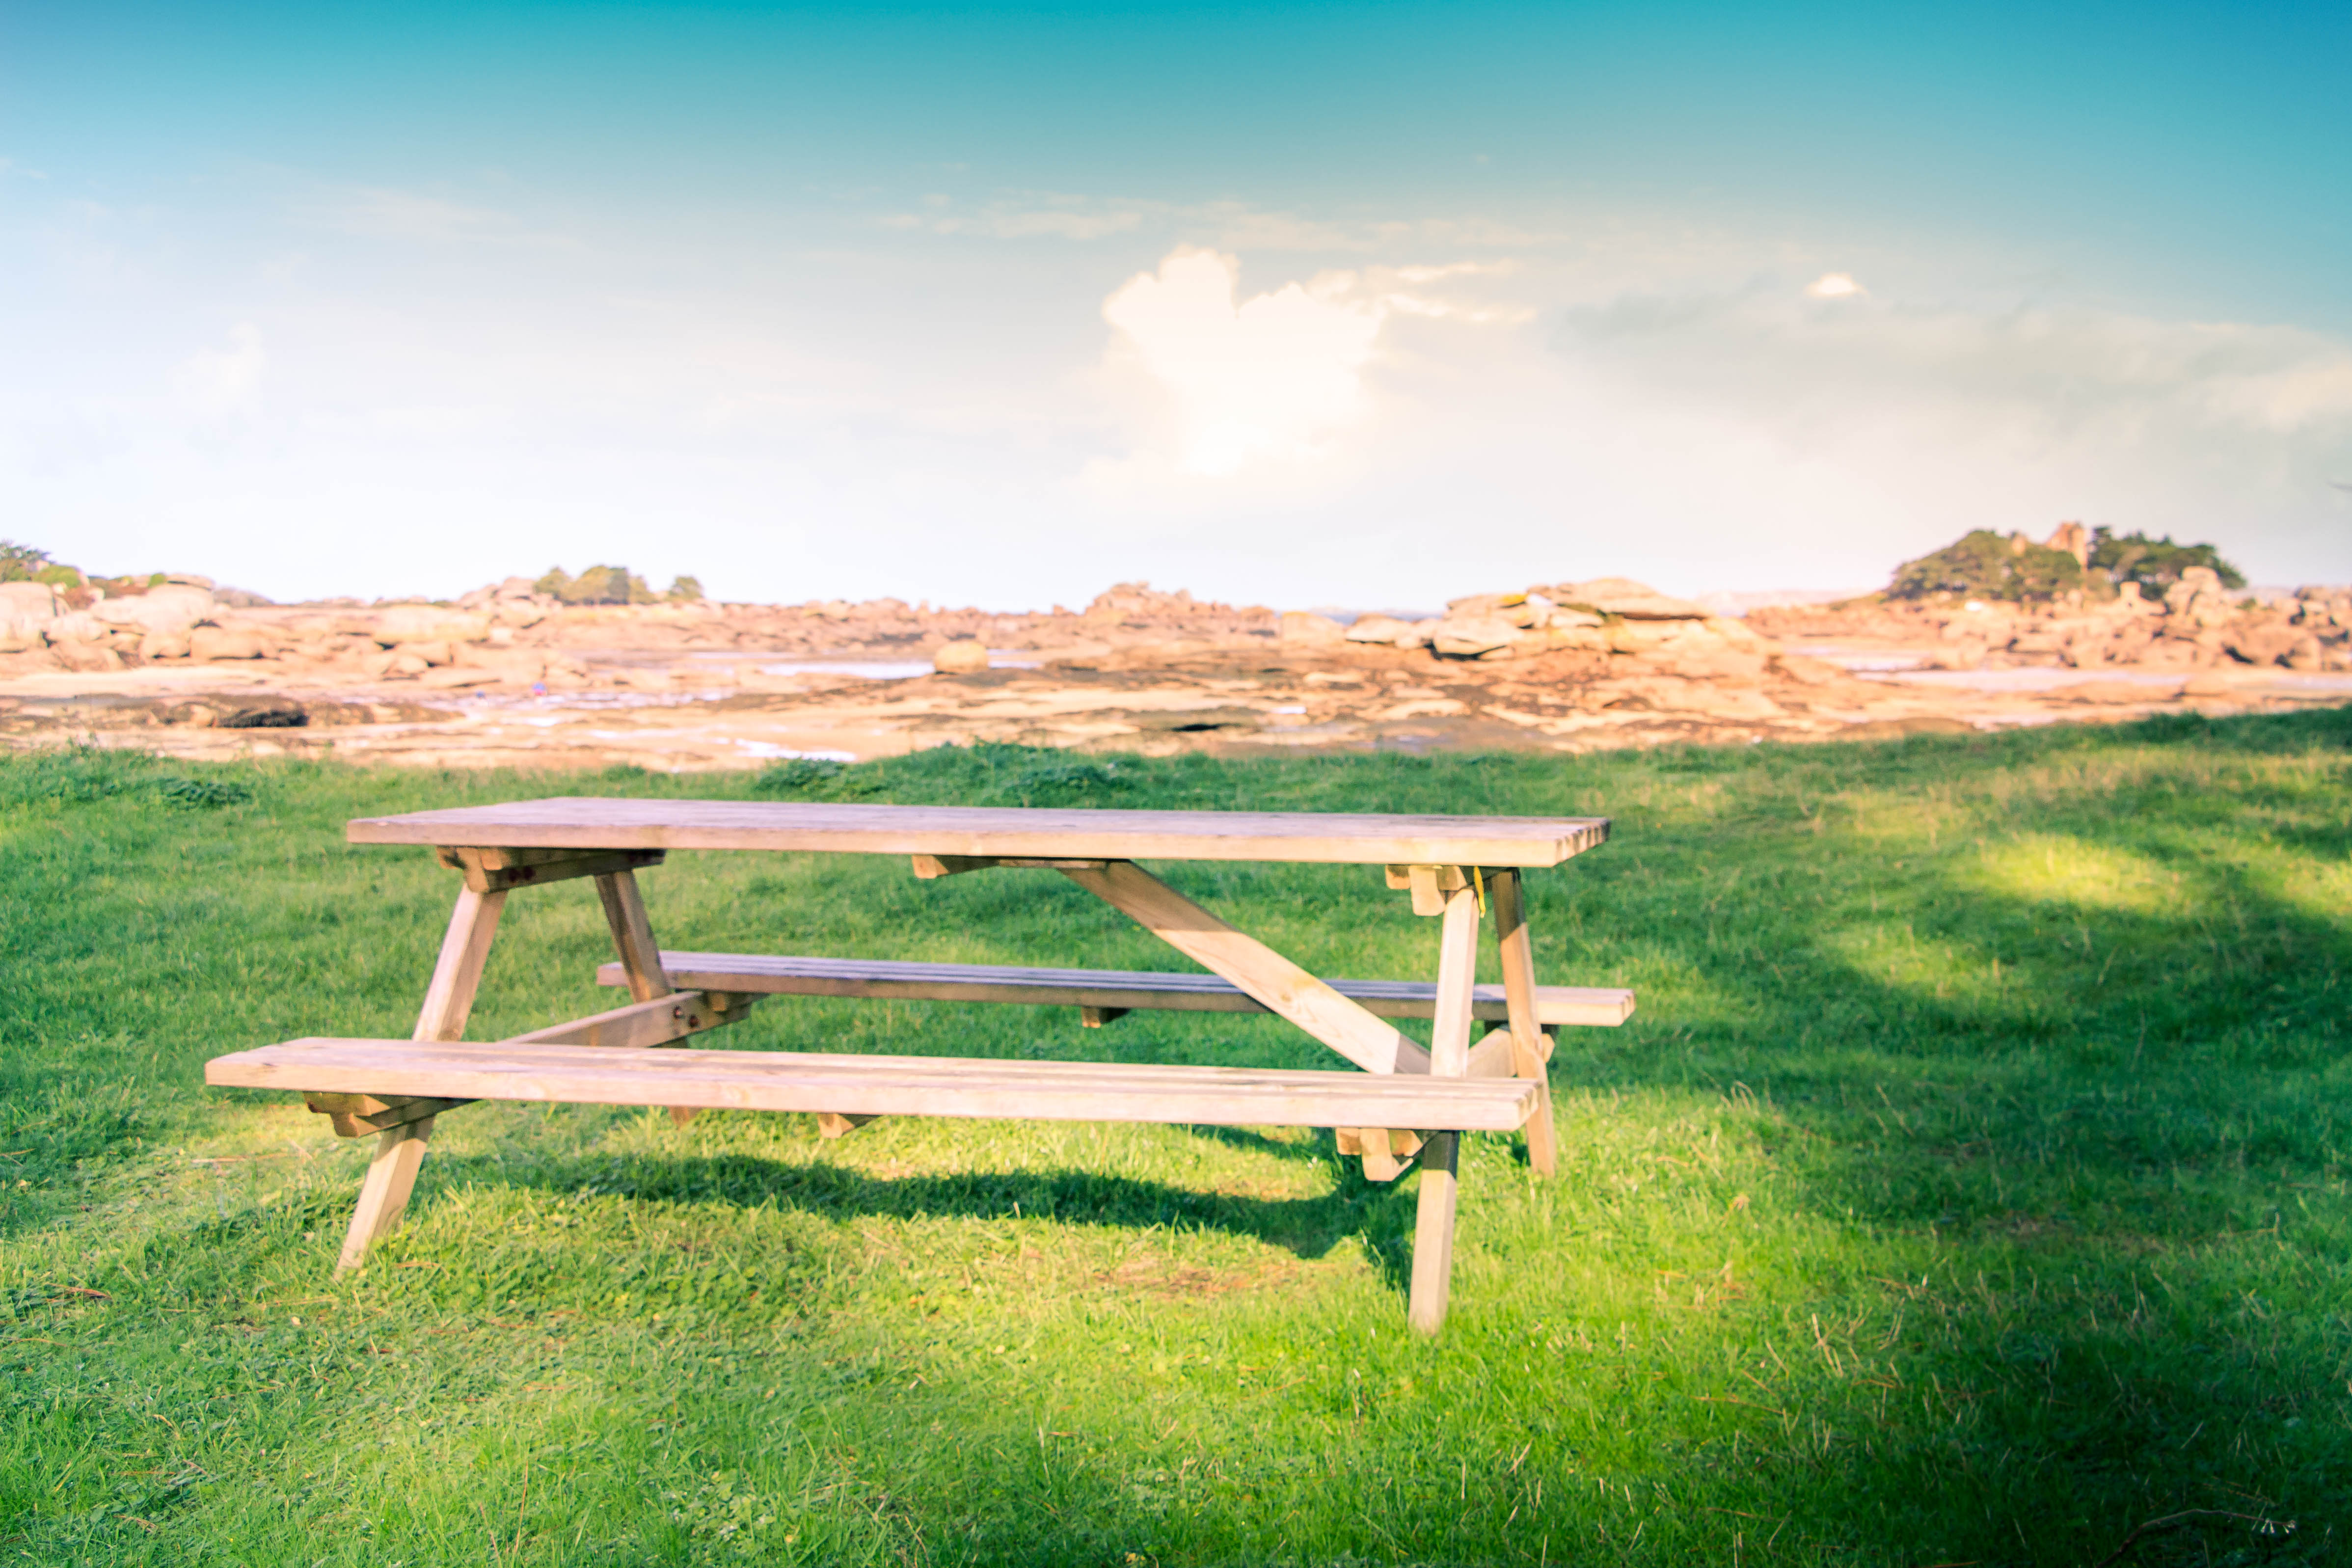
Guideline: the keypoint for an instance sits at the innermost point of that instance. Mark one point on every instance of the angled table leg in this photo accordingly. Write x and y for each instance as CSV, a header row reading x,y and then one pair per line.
x,y
1449,1051
391,1174
633,937
1530,1049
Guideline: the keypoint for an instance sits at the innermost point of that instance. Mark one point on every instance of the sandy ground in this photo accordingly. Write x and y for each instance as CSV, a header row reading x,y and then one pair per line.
x,y
689,712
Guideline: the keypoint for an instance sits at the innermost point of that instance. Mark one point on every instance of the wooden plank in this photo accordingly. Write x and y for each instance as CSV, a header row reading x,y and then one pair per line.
x,y
901,980
833,1124
639,1026
486,871
449,996
1253,967
879,1086
383,1193
1335,838
1529,1047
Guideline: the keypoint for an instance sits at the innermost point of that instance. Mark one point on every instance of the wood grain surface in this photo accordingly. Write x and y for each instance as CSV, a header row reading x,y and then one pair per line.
x,y
876,1086
901,980
1344,837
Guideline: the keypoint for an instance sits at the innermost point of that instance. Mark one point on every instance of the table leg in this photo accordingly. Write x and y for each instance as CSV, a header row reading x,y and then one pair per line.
x,y
383,1196
1433,1234
1530,1049
633,937
448,1000
1449,1052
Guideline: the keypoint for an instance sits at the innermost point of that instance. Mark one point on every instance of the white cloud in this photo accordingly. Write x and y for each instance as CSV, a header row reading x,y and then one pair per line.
x,y
1835,286
223,383
1270,375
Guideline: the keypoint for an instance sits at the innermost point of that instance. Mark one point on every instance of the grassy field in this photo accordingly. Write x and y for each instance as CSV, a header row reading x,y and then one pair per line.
x,y
1970,1187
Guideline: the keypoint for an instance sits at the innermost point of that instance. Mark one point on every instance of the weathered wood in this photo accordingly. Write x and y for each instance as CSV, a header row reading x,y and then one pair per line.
x,y
1253,967
1433,1234
1457,967
877,1085
357,1115
1005,832
1531,1048
448,1003
1449,1059
639,1026
834,1124
1429,885
1495,1056
1096,1017
449,996
383,1193
932,867
633,935
1124,989
1383,1149
496,870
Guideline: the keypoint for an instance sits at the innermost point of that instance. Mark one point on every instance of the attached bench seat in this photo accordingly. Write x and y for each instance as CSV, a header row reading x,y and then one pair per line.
x,y
1106,992
852,1085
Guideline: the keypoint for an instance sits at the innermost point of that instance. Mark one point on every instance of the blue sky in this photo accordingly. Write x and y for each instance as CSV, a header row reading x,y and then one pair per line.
x,y
1300,304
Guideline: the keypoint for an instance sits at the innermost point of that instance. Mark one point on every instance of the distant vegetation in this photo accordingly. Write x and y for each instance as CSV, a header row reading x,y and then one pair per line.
x,y
1983,564
612,585
2156,563
24,563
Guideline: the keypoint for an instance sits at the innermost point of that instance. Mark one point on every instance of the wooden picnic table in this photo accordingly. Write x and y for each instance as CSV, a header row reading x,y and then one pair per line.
x,y
1408,1103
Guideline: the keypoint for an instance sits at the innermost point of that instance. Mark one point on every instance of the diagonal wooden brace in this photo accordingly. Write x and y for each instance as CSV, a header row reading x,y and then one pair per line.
x,y
1366,1039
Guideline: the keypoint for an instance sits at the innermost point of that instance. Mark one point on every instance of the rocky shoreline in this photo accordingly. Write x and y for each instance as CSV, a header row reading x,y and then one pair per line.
x,y
507,677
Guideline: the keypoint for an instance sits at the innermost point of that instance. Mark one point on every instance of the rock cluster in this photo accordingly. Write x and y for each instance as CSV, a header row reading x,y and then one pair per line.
x,y
1604,616
2197,625
184,621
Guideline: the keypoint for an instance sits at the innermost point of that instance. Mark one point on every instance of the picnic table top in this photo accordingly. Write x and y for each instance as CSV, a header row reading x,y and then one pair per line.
x,y
575,822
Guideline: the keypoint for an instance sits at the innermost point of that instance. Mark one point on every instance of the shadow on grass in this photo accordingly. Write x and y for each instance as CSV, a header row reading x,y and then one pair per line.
x,y
1381,1215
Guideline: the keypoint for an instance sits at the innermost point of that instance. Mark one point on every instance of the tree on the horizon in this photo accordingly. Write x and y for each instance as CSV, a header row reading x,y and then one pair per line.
x,y
1982,565
2154,563
20,562
596,585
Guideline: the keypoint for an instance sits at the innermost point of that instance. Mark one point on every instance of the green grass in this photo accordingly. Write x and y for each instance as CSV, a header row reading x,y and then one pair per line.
x,y
1970,1187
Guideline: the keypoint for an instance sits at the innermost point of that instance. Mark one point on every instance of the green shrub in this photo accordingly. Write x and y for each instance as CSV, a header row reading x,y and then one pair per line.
x,y
596,585
1983,564
2154,563
20,562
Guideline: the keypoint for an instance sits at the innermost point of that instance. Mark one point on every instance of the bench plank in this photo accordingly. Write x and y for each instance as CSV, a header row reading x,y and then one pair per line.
x,y
1014,832
851,1085
1120,989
